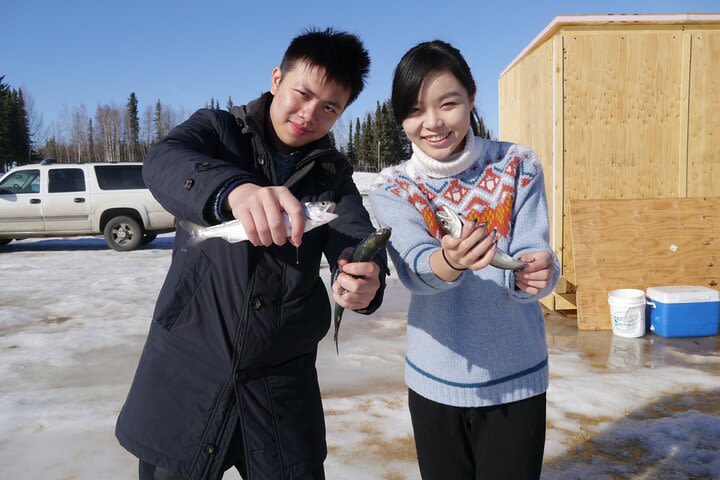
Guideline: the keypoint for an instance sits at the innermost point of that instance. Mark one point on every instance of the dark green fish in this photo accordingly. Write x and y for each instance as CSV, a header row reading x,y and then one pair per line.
x,y
364,252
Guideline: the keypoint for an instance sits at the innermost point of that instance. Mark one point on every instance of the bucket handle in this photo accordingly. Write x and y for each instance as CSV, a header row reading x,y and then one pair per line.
x,y
652,304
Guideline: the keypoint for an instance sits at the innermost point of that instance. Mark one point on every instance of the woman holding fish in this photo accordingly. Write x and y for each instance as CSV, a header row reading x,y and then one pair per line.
x,y
470,241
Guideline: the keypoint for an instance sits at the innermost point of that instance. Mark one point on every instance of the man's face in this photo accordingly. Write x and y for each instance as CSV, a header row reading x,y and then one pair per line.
x,y
305,106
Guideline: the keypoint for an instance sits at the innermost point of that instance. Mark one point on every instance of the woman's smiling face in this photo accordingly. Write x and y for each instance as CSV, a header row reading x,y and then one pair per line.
x,y
440,119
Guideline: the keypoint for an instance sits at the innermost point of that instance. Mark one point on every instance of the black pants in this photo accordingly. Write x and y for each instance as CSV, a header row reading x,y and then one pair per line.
x,y
235,457
503,442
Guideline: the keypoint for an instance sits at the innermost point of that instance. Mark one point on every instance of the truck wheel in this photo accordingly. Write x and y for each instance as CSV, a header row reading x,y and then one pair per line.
x,y
123,234
5,241
148,237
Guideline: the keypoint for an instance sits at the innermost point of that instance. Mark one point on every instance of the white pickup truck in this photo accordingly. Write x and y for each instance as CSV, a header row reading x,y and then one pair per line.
x,y
60,200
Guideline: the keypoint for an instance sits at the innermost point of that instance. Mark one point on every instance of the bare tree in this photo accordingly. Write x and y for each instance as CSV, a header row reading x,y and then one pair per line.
x,y
79,133
38,132
109,121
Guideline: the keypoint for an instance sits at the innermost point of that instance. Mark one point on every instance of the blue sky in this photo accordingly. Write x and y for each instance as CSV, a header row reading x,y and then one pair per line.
x,y
183,53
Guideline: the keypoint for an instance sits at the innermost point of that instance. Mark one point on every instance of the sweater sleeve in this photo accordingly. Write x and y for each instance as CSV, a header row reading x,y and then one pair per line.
x,y
410,244
530,219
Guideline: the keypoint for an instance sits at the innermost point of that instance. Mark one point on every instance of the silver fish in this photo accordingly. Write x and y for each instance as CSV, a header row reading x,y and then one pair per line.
x,y
452,223
316,214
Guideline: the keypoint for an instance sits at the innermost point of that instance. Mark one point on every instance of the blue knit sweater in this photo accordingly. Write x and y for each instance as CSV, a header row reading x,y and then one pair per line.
x,y
478,340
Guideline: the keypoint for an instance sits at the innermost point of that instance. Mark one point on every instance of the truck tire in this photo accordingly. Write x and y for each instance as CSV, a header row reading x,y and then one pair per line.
x,y
123,234
5,241
148,237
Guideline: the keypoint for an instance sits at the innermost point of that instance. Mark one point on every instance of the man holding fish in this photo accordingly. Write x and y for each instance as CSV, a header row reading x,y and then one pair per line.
x,y
227,376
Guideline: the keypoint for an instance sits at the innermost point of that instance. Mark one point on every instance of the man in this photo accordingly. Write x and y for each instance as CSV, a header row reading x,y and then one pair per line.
x,y
227,376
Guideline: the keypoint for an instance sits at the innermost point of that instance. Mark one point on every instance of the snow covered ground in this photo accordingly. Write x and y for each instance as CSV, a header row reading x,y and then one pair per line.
x,y
73,318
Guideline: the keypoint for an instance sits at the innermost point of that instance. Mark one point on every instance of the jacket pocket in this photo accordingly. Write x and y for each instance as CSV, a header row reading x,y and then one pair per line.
x,y
184,279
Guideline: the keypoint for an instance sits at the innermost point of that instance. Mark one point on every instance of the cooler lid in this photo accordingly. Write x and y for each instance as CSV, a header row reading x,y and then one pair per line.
x,y
683,294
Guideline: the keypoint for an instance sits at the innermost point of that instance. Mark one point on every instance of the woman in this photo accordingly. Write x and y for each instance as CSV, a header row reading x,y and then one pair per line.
x,y
476,365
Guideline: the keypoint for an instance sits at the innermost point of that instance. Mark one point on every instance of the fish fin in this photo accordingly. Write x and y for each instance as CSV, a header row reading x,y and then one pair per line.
x,y
193,230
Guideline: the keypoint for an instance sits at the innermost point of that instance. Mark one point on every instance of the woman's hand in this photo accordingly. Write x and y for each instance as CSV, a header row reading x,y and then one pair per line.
x,y
473,250
537,274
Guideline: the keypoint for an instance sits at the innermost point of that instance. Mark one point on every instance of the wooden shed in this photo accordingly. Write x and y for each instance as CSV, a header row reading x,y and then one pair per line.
x,y
624,112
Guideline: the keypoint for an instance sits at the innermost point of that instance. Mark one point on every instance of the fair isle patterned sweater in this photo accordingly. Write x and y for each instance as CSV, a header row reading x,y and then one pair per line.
x,y
478,340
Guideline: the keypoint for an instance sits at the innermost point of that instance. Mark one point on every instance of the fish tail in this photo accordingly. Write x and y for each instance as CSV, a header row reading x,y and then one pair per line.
x,y
338,318
193,230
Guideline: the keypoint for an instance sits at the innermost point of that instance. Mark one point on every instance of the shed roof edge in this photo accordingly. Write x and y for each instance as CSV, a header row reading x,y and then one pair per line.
x,y
606,19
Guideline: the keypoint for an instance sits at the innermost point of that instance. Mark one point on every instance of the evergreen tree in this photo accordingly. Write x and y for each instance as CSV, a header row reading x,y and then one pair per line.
x,y
357,141
401,149
350,148
158,122
132,128
368,147
5,120
24,142
229,104
91,141
483,132
15,141
51,149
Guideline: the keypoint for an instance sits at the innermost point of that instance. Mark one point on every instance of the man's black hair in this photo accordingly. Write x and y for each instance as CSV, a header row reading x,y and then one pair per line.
x,y
341,54
418,62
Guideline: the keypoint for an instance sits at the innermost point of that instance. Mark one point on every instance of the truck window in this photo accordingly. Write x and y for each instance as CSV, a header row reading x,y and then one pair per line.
x,y
119,177
62,180
24,181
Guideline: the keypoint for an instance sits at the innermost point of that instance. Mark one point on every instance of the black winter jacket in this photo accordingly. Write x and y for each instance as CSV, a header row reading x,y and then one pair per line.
x,y
235,330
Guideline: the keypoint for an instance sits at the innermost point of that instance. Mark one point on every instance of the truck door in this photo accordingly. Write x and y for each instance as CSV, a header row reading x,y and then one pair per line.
x,y
21,209
66,203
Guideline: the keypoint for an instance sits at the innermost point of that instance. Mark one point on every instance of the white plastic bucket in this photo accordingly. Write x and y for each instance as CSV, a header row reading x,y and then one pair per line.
x,y
627,312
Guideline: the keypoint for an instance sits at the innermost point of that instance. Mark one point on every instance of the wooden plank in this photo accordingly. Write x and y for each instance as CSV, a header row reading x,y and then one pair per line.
x,y
703,149
684,114
564,285
556,193
565,301
548,302
639,244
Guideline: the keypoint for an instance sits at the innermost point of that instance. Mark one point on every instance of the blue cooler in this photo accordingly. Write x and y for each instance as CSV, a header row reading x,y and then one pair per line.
x,y
683,311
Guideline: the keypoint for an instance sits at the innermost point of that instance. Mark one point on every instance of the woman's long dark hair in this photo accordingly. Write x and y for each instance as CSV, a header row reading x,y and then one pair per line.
x,y
421,60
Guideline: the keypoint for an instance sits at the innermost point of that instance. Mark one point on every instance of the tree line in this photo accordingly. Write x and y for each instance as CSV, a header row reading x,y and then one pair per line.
x,y
16,140
121,134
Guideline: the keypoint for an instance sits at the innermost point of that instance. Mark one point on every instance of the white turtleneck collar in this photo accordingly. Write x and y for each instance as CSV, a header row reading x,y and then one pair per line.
x,y
424,164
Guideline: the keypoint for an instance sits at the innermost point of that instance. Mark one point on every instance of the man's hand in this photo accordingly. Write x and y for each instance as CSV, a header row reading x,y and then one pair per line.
x,y
539,270
357,284
260,210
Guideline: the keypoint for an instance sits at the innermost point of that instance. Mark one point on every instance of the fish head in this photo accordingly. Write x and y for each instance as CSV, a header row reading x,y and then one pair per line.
x,y
319,213
450,222
384,234
380,236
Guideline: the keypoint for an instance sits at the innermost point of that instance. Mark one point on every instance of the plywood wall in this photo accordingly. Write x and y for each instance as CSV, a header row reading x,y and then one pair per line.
x,y
527,116
622,116
703,169
526,106
641,244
